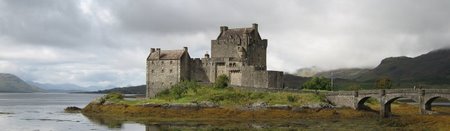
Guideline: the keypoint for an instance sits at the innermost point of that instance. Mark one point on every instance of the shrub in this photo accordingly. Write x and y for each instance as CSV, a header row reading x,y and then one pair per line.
x,y
384,83
317,83
291,98
114,96
221,82
178,90
163,93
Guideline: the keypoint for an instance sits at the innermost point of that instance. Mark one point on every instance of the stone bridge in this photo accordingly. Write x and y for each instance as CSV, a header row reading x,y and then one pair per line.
x,y
356,99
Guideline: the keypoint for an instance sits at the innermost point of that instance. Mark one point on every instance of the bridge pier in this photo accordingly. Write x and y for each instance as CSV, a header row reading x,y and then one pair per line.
x,y
385,106
422,103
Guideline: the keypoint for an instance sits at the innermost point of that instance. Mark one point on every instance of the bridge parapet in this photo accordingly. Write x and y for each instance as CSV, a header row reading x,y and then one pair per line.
x,y
401,91
368,92
340,93
440,91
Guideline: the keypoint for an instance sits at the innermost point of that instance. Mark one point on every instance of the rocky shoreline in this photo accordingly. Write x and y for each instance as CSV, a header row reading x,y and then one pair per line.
x,y
209,110
260,112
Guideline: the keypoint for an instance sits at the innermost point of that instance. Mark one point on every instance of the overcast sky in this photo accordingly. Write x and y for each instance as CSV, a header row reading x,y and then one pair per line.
x,y
105,42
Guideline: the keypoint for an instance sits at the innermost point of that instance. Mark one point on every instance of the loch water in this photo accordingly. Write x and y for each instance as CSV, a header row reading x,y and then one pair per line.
x,y
45,112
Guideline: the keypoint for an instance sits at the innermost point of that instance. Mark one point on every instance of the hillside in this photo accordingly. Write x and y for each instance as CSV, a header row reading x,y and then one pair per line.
x,y
125,90
12,83
431,68
58,87
349,73
308,71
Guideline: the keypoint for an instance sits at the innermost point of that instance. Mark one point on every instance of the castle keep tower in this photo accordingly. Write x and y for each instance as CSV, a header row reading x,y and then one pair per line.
x,y
239,53
240,44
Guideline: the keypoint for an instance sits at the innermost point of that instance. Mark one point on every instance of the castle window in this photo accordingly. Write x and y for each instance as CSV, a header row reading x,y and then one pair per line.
x,y
162,71
171,62
153,71
162,83
170,70
162,62
153,62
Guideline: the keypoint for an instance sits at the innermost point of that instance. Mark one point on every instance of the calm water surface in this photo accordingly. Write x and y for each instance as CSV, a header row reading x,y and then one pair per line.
x,y
45,112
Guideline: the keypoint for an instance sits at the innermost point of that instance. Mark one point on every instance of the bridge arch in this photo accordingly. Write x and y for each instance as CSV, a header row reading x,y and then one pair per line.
x,y
360,104
386,105
430,100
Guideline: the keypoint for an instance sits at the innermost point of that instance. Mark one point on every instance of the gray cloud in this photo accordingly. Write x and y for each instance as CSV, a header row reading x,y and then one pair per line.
x,y
105,42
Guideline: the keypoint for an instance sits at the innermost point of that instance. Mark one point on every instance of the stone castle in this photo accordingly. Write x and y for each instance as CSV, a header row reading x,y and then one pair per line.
x,y
238,53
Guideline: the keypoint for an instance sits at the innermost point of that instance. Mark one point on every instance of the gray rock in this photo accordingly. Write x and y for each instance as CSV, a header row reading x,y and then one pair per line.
x,y
259,105
151,105
280,107
207,104
318,106
183,106
72,109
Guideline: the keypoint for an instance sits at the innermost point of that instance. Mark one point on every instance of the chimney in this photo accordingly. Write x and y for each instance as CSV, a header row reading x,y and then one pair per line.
x,y
207,55
152,50
158,52
223,28
255,26
186,49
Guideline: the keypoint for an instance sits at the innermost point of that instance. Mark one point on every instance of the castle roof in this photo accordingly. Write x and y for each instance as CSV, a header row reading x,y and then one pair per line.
x,y
236,32
166,55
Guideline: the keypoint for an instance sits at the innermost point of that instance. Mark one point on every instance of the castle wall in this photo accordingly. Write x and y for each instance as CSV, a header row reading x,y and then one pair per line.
x,y
236,78
162,74
256,53
185,68
199,71
223,49
252,77
275,79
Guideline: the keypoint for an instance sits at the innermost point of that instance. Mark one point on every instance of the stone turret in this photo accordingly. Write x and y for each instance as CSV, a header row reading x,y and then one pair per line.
x,y
223,28
158,52
152,50
255,26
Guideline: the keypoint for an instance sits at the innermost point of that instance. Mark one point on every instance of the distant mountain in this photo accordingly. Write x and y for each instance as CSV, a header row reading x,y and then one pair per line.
x,y
349,73
431,68
308,72
58,87
293,81
125,90
12,83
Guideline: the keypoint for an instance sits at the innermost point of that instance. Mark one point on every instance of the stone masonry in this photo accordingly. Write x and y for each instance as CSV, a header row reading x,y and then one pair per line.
x,y
238,53
356,99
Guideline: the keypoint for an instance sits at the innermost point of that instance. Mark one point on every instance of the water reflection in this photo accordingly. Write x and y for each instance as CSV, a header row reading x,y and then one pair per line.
x,y
308,124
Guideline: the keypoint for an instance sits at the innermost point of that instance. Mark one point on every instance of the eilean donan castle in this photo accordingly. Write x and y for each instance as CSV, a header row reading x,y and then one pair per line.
x,y
239,53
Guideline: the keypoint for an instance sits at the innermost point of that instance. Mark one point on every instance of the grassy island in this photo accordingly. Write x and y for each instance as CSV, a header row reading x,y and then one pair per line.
x,y
191,92
189,102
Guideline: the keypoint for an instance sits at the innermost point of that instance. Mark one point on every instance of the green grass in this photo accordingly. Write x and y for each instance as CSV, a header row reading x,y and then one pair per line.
x,y
227,97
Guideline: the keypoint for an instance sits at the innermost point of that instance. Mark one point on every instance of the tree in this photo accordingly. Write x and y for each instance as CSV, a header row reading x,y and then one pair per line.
x,y
354,87
221,82
384,83
317,83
